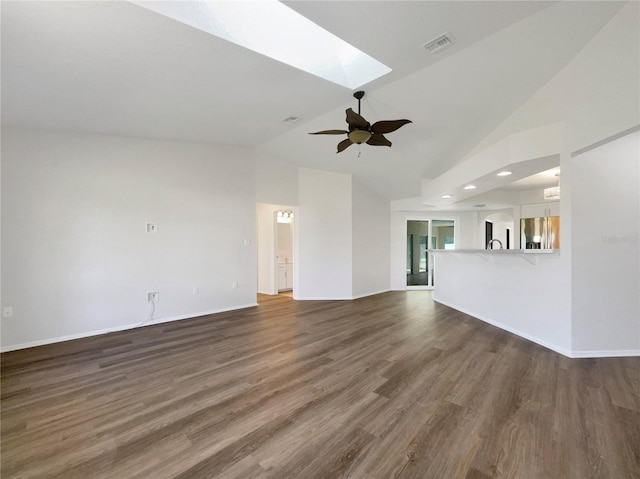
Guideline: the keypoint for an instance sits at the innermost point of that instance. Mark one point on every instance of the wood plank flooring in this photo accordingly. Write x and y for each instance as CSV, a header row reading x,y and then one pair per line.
x,y
389,386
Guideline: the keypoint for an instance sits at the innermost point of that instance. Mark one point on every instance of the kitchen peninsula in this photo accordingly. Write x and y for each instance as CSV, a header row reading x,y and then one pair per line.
x,y
525,292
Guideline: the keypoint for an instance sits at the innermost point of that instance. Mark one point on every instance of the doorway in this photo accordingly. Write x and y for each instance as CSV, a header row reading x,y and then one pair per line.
x,y
423,235
275,232
284,250
499,227
488,234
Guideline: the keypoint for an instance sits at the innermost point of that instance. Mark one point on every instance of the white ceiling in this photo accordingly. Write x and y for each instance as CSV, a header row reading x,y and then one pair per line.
x,y
116,68
544,179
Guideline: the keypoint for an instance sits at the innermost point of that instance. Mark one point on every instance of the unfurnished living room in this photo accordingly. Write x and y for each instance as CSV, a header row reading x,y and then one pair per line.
x,y
320,239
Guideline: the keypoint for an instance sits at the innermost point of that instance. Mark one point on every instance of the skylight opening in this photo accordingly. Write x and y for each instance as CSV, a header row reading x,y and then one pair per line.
x,y
272,29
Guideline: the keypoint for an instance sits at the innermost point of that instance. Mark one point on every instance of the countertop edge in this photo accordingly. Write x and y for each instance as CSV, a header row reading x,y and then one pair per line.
x,y
503,252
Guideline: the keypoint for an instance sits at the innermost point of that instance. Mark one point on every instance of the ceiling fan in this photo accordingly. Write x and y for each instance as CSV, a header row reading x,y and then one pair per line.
x,y
361,131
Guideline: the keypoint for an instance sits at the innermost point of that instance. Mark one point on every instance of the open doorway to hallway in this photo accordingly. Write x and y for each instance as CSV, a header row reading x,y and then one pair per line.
x,y
499,228
284,250
275,226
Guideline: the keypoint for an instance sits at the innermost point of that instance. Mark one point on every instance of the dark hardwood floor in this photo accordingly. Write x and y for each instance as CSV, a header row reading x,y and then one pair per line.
x,y
391,385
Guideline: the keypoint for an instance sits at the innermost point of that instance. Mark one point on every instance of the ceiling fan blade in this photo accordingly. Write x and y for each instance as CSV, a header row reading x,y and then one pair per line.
x,y
378,140
330,132
344,144
388,126
355,121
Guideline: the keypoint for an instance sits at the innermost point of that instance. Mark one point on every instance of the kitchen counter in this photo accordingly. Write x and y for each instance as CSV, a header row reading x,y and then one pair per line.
x,y
529,255
526,292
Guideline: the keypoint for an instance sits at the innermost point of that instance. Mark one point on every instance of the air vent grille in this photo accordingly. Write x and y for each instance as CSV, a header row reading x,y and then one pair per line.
x,y
439,43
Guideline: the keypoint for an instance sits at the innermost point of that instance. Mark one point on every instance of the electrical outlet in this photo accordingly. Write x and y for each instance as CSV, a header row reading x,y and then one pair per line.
x,y
153,297
196,290
152,228
235,285
7,312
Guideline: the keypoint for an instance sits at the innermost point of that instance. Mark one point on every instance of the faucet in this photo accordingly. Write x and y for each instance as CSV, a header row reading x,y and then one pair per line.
x,y
491,241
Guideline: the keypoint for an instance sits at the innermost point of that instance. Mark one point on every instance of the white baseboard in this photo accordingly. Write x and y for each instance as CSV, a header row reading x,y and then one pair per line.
x,y
269,293
565,352
59,339
321,298
616,353
370,294
347,298
546,344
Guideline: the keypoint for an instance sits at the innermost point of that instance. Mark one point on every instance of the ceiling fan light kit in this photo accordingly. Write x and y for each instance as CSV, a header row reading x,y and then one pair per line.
x,y
361,131
359,136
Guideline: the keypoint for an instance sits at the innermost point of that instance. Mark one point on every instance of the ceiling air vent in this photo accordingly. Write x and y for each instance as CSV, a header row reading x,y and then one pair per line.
x,y
438,43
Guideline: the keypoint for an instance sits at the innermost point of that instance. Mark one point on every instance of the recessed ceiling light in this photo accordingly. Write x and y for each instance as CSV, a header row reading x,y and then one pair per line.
x,y
470,187
479,206
444,197
271,28
504,173
291,119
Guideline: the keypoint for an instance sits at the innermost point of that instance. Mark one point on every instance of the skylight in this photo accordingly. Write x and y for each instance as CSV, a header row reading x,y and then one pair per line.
x,y
271,28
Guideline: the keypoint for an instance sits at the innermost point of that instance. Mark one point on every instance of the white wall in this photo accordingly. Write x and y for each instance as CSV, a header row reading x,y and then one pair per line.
x,y
370,242
596,95
284,240
323,236
501,221
276,180
276,188
75,255
465,235
606,248
509,292
265,247
533,196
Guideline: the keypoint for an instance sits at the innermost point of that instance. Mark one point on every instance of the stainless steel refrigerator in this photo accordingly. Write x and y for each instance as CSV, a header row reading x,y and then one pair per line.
x,y
540,233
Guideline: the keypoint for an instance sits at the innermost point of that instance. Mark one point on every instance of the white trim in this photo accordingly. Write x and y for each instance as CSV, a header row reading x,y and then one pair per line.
x,y
370,294
553,347
321,299
343,298
59,339
600,143
616,353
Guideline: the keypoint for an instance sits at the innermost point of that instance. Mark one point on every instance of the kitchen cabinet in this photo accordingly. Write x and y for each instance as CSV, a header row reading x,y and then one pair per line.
x,y
538,210
285,276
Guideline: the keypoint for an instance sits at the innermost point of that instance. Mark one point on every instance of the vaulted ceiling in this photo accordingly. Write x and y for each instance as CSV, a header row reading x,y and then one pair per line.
x,y
116,68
